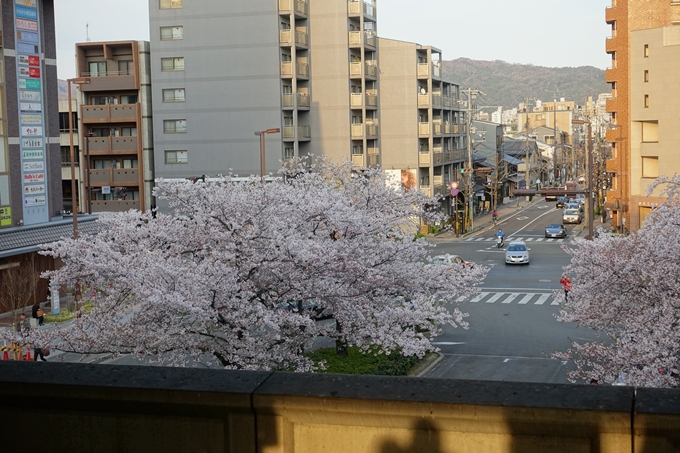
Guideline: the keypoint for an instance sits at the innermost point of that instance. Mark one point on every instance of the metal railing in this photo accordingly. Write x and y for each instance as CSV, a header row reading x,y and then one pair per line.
x,y
301,7
107,73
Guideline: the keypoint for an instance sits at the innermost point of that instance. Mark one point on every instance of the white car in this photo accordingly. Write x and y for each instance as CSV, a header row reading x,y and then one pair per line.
x,y
517,253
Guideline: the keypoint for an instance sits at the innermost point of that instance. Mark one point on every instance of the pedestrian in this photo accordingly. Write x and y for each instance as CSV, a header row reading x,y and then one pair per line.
x,y
38,313
604,216
22,325
565,281
42,352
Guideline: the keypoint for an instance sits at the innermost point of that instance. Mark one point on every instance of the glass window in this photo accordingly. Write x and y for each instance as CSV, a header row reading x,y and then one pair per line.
x,y
174,126
129,99
176,157
172,33
128,131
97,68
650,167
172,64
173,95
125,67
168,4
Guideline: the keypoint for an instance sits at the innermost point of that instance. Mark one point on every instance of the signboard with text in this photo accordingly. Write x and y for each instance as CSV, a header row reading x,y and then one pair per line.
x,y
30,96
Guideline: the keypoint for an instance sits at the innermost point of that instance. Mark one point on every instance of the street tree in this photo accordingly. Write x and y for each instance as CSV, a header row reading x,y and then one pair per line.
x,y
628,289
238,273
17,288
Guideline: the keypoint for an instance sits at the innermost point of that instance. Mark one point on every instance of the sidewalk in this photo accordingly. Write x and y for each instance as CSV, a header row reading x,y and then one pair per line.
x,y
484,221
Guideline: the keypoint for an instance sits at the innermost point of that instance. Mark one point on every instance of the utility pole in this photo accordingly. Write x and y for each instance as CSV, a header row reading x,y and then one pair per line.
x,y
470,173
527,174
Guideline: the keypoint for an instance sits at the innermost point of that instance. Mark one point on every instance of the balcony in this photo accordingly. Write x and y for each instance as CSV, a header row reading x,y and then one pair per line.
x,y
287,100
426,190
302,69
423,70
303,100
301,8
110,81
438,159
113,145
304,132
356,100
424,129
437,101
373,160
110,113
301,39
288,132
286,37
424,159
372,99
287,68
437,128
357,8
423,100
285,6
114,177
438,180
357,160
358,70
114,205
371,131
357,131
370,40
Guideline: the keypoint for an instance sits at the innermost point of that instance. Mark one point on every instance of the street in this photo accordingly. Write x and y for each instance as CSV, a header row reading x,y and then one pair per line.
x,y
512,324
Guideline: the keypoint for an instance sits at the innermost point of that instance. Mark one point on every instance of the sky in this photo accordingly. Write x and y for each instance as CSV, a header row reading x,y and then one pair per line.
x,y
553,33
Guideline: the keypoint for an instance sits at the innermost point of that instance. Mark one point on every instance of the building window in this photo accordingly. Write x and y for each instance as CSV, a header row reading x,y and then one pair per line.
x,y
128,131
175,126
650,167
97,68
288,153
646,75
172,33
129,99
646,100
172,64
646,51
102,100
176,157
66,155
169,4
650,131
130,163
358,150
126,67
63,121
174,95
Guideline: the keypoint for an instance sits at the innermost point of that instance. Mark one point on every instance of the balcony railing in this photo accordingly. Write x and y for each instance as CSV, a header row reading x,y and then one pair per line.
x,y
436,100
302,69
371,99
121,113
286,37
301,7
426,190
424,129
284,5
304,132
437,128
357,130
438,159
371,130
373,160
302,37
287,100
438,180
358,160
424,159
423,70
303,100
113,145
288,131
114,177
423,100
286,68
371,39
370,69
356,99
114,205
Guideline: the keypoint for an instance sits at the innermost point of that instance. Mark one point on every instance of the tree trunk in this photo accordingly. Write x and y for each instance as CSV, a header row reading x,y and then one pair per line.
x,y
340,345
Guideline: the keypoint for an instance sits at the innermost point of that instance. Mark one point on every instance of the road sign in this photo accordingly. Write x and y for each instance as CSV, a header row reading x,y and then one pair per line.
x,y
454,185
454,192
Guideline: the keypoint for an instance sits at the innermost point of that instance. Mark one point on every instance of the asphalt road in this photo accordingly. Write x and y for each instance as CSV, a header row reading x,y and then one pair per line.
x,y
512,322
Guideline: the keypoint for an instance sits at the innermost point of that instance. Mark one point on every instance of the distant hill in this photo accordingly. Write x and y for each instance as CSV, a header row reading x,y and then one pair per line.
x,y
63,90
508,84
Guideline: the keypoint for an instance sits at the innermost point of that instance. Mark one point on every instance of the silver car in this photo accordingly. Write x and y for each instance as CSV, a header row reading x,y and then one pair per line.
x,y
572,216
517,253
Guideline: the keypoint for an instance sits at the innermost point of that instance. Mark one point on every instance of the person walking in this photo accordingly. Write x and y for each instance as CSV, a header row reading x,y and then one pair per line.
x,y
565,281
38,314
42,352
604,215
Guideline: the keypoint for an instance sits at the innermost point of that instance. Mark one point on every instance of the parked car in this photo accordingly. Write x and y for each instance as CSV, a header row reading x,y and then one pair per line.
x,y
555,230
561,201
572,216
517,253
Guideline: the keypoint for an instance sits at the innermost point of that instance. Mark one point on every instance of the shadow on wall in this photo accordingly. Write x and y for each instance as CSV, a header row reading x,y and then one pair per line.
x,y
426,439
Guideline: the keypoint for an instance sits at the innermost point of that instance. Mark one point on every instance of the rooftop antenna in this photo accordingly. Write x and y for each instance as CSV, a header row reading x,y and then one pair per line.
x,y
87,32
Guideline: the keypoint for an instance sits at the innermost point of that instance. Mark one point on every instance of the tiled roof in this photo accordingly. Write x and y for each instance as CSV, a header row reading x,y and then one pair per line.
x,y
17,241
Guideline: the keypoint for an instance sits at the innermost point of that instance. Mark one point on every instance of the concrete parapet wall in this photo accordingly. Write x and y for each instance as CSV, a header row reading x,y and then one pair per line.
x,y
101,408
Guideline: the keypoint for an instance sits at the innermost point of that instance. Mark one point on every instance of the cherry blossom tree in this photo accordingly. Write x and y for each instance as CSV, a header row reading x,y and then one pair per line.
x,y
239,273
628,289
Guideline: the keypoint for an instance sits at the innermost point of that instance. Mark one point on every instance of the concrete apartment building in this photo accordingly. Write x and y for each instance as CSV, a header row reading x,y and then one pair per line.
x,y
115,126
637,103
548,114
245,67
423,131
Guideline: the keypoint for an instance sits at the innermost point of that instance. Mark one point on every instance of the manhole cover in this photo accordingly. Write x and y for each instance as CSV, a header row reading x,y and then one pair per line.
x,y
545,281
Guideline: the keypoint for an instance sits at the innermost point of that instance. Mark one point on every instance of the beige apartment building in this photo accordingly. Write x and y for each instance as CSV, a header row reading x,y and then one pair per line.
x,y
654,103
423,133
550,115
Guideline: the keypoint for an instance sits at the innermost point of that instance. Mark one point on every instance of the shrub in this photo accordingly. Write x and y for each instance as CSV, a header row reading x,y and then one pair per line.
x,y
356,362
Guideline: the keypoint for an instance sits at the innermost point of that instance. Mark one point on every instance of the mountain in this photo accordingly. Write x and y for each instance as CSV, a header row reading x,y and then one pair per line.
x,y
63,90
508,84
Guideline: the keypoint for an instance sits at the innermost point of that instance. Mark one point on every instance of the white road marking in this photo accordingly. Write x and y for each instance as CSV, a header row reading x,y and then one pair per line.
x,y
461,299
495,298
490,239
525,226
506,360
480,239
517,239
560,240
528,239
510,298
541,300
549,240
539,239
523,218
469,239
479,297
526,299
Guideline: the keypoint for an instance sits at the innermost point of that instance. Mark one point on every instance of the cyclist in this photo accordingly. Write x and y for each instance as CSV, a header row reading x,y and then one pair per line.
x,y
494,216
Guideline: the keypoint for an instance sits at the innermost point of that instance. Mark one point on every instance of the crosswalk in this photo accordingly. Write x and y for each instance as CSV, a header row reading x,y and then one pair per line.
x,y
512,238
509,297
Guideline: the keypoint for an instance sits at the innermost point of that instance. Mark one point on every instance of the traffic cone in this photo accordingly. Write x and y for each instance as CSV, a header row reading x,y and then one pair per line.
x,y
28,354
6,355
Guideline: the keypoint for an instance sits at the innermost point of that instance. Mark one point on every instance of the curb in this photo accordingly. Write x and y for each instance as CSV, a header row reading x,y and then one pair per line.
x,y
429,368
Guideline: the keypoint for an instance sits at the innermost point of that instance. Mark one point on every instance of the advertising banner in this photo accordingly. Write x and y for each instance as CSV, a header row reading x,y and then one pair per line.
x,y
33,154
37,165
29,96
31,3
32,143
28,36
30,84
31,119
31,178
26,13
5,216
30,25
31,131
34,201
34,190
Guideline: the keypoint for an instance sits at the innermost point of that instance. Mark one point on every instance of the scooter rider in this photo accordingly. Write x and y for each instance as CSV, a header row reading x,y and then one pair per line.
x,y
500,238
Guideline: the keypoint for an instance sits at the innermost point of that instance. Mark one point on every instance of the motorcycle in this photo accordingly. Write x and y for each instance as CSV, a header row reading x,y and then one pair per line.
x,y
499,242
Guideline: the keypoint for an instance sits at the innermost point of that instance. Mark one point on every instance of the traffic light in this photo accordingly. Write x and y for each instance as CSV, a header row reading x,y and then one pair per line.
x,y
462,170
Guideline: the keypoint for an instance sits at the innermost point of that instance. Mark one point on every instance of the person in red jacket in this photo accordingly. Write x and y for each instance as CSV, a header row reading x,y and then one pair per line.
x,y
566,284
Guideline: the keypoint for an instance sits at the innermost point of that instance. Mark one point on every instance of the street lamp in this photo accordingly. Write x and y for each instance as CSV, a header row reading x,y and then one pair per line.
x,y
74,207
87,170
261,134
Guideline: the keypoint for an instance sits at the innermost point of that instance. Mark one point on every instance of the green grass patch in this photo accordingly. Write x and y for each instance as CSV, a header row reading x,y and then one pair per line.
x,y
67,315
357,362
